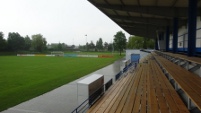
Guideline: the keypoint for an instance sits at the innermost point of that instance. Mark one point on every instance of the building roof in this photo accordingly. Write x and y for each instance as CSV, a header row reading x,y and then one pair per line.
x,y
145,17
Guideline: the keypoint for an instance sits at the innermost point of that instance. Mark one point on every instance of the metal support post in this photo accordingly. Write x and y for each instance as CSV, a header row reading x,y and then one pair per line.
x,y
189,103
192,19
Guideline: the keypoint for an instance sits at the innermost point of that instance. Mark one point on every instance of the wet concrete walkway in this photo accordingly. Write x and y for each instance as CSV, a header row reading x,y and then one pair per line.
x,y
64,98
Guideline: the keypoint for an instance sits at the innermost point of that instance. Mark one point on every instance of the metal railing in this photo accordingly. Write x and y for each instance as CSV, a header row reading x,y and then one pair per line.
x,y
108,84
134,64
82,108
117,76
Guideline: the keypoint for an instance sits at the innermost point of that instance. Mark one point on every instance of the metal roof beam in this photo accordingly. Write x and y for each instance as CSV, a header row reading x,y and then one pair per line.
x,y
149,20
140,26
153,10
143,29
143,34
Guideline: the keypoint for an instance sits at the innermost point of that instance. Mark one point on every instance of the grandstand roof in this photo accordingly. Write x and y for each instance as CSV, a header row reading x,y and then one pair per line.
x,y
145,17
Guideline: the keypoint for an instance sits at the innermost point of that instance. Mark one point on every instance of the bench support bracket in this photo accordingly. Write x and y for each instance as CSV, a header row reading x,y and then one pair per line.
x,y
189,103
194,68
176,86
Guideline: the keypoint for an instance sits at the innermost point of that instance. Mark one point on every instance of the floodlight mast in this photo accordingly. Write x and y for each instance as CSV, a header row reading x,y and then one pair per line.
x,y
86,42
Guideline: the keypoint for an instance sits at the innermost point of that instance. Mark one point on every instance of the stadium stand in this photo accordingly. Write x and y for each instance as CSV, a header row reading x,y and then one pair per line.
x,y
147,90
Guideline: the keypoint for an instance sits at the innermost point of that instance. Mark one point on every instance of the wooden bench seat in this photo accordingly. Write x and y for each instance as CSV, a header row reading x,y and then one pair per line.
x,y
106,104
145,91
188,81
196,60
167,98
185,57
110,95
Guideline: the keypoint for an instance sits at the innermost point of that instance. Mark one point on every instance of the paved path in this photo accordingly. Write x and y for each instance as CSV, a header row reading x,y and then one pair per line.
x,y
62,99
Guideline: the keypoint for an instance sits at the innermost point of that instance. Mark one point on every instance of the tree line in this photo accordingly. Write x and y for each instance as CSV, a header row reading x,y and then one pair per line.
x,y
15,42
99,46
37,43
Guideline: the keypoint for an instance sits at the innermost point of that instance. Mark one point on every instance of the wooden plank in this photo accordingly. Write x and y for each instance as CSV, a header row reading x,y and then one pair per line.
x,y
143,108
171,103
154,108
122,98
137,105
109,95
131,98
166,89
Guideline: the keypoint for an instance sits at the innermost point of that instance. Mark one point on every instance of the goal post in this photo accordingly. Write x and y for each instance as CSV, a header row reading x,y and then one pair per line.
x,y
57,53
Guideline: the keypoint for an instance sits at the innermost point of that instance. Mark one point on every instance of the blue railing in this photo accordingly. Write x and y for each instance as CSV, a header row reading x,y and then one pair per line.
x,y
117,76
129,66
108,84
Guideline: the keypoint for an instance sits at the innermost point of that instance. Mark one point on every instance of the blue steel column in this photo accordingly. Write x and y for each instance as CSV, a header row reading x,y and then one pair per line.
x,y
175,35
192,19
156,44
167,36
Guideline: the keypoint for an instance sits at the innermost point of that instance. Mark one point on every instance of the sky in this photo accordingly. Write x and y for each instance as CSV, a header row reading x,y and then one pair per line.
x,y
64,21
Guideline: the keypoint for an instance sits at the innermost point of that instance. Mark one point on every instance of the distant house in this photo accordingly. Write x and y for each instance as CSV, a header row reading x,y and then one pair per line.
x,y
52,45
57,46
72,48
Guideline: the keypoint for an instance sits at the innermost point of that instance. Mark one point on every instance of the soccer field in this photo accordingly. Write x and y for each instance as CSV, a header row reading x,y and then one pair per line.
x,y
23,78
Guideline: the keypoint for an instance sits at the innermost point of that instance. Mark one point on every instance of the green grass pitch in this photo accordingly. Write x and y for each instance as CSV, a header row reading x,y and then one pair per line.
x,y
23,78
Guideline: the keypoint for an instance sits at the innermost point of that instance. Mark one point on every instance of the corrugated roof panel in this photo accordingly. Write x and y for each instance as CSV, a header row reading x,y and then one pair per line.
x,y
199,3
109,11
118,20
134,14
114,2
181,3
122,13
128,21
99,1
166,2
147,2
147,15
130,2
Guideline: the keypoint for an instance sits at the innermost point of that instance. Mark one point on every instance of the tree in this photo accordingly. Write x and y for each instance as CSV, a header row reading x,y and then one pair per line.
x,y
99,44
64,46
105,45
15,42
120,41
87,46
59,46
136,42
150,43
2,42
91,45
38,42
27,45
82,47
110,47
